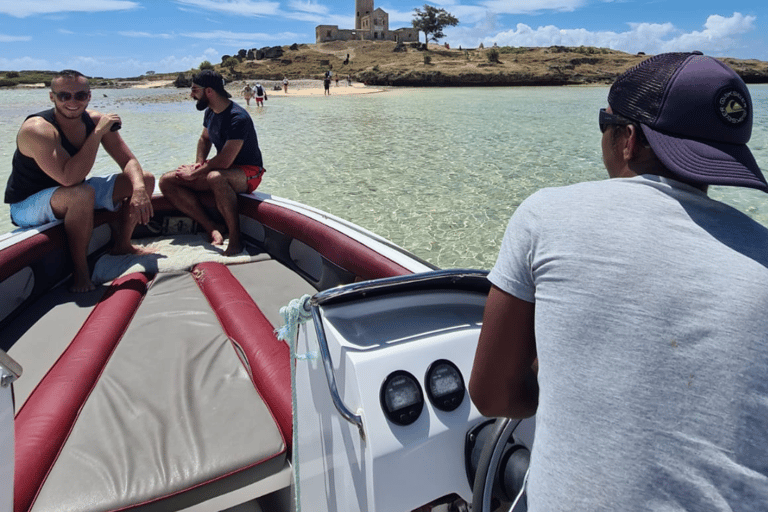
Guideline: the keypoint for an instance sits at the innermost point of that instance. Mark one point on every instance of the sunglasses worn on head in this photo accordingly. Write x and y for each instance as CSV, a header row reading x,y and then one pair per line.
x,y
67,96
607,119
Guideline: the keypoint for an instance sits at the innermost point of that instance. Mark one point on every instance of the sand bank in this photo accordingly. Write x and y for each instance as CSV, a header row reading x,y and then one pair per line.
x,y
151,84
303,88
341,89
296,88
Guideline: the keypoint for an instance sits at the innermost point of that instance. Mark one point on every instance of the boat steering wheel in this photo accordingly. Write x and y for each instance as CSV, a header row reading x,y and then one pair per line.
x,y
497,453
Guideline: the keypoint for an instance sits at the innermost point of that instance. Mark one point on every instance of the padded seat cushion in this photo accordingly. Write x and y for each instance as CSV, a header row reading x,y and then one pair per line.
x,y
173,417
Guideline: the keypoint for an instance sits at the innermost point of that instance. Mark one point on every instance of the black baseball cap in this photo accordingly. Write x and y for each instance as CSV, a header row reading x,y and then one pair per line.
x,y
212,79
696,113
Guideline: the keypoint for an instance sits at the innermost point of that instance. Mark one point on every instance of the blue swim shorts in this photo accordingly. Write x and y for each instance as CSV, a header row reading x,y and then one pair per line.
x,y
36,209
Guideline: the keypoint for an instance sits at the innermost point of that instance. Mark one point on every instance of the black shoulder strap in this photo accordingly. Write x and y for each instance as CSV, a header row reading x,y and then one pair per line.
x,y
50,116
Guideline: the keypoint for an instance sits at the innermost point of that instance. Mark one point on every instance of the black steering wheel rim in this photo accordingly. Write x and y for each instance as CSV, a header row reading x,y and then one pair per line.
x,y
488,465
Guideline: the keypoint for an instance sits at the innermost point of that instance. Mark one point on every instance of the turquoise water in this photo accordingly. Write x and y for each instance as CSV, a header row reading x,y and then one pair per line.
x,y
437,171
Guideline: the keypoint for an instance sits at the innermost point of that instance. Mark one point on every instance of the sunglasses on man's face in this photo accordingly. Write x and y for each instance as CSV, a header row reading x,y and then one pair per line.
x,y
67,96
606,119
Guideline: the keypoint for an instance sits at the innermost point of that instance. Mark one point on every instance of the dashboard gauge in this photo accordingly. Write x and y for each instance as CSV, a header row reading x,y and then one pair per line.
x,y
401,398
445,385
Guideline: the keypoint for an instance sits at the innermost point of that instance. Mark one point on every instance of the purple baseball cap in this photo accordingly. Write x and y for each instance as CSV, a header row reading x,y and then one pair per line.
x,y
696,113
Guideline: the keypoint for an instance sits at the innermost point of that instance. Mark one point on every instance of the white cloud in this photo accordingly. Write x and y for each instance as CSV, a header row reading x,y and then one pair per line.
x,y
24,8
13,39
242,39
24,63
532,6
308,7
238,7
325,19
173,63
720,36
118,67
137,34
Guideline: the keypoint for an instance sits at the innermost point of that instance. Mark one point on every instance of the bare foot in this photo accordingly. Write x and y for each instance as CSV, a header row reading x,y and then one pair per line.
x,y
233,249
81,284
216,237
137,250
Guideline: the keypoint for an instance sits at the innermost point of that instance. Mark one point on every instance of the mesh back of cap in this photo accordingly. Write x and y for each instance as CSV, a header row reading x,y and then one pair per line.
x,y
639,92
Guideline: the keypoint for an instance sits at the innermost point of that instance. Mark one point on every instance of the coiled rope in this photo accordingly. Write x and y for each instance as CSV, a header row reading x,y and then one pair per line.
x,y
297,312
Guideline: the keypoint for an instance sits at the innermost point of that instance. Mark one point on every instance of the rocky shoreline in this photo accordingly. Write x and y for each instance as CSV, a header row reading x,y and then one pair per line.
x,y
384,63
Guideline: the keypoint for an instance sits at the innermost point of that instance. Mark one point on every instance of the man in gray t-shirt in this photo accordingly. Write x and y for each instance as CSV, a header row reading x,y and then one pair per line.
x,y
630,314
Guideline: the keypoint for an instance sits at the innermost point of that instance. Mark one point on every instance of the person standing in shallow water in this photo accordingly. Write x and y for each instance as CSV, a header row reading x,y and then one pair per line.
x,y
260,95
247,94
236,168
629,314
56,150
327,85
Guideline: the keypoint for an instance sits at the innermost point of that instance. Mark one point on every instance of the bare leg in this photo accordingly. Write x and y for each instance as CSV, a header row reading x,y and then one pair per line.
x,y
226,202
75,206
123,192
183,195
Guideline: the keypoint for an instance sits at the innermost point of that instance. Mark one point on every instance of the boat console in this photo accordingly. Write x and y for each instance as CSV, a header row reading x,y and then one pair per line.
x,y
387,422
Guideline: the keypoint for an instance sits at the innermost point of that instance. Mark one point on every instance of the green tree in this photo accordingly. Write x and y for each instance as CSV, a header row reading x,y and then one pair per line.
x,y
231,63
432,21
205,65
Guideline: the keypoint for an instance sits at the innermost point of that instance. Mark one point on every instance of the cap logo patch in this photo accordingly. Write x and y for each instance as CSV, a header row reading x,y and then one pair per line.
x,y
732,107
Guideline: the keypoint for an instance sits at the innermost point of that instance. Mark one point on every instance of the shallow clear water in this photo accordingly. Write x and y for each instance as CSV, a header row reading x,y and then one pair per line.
x,y
437,171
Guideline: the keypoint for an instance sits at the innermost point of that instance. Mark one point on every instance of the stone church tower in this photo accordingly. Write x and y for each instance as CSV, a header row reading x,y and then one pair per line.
x,y
370,25
363,8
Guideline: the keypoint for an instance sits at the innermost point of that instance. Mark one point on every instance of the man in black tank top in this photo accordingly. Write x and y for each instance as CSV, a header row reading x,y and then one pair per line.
x,y
56,150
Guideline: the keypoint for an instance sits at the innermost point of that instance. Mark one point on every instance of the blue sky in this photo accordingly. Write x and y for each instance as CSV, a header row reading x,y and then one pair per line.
x,y
123,38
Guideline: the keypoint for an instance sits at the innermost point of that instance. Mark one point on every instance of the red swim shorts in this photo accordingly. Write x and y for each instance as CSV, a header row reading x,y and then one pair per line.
x,y
253,174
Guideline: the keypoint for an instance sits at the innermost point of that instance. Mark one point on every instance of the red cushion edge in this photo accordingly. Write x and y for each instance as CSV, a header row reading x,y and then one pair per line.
x,y
44,422
268,358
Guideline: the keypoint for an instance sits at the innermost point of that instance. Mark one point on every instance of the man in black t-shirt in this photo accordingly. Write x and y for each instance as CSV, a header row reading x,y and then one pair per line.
x,y
237,167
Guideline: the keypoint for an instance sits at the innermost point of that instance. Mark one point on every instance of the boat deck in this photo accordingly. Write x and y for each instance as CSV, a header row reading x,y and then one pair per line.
x,y
187,401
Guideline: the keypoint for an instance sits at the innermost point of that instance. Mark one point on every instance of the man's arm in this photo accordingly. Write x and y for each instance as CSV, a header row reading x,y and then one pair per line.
x,y
503,380
141,198
203,147
223,159
39,139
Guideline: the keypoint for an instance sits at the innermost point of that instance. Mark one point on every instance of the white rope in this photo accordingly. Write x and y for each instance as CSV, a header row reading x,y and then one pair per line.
x,y
297,312
294,314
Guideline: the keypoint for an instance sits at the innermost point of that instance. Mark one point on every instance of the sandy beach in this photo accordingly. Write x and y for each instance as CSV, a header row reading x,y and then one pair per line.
x,y
295,87
302,88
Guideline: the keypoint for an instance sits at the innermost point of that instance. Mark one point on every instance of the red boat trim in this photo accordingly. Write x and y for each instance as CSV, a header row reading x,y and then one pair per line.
x,y
49,414
335,246
268,359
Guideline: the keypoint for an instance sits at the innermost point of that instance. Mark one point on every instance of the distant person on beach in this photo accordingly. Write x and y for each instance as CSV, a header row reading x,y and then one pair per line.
x,y
55,152
236,168
327,85
629,314
247,94
285,85
261,95
349,80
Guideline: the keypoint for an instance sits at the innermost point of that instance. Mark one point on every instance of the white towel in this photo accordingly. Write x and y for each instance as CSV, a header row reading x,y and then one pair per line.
x,y
171,254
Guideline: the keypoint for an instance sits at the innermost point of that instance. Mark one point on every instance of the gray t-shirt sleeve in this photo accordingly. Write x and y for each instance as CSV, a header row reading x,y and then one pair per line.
x,y
512,272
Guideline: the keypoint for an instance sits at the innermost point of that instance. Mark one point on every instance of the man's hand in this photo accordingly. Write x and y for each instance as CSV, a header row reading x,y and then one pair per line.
x,y
105,123
141,206
188,172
